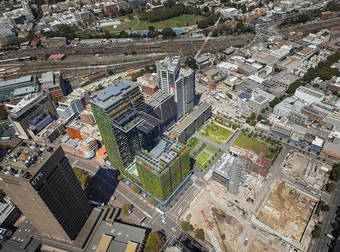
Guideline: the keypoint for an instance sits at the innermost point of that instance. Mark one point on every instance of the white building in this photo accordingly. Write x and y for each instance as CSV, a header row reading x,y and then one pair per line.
x,y
229,12
284,108
308,95
226,67
177,81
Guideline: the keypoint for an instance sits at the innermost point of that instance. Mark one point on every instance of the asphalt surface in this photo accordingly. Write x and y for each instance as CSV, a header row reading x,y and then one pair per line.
x,y
321,244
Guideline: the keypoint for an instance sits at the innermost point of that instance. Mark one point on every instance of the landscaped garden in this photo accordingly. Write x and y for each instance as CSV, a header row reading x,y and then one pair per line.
x,y
202,158
255,144
216,133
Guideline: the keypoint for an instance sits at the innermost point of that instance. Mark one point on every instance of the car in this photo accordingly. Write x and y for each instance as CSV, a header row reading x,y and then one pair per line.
x,y
164,221
174,229
142,219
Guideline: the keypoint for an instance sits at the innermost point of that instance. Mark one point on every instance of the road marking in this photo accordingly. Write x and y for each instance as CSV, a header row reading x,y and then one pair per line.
x,y
140,209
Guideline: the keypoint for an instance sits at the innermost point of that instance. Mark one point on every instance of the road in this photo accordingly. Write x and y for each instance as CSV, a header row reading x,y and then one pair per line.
x,y
320,244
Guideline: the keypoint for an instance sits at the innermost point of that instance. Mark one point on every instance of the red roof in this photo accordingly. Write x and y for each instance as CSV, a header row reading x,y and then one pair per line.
x,y
102,151
336,28
264,162
57,56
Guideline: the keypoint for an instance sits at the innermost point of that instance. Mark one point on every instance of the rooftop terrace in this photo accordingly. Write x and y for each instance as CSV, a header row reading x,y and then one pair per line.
x,y
162,154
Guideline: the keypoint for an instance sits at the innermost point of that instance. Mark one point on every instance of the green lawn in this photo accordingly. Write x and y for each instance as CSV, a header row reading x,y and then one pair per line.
x,y
216,133
193,142
180,21
212,148
256,145
202,158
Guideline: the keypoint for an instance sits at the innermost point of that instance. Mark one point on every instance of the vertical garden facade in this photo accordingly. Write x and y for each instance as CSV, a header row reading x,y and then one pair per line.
x,y
163,169
116,111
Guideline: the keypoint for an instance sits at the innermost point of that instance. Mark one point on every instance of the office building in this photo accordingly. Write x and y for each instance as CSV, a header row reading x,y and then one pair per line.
x,y
32,114
40,181
9,86
228,171
177,81
54,83
162,106
162,169
284,79
117,112
70,107
188,125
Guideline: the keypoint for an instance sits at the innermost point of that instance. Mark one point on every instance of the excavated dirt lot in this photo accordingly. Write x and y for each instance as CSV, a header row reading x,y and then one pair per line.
x,y
286,211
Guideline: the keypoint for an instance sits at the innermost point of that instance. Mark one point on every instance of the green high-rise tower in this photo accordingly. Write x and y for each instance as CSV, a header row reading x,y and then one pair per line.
x,y
162,169
117,111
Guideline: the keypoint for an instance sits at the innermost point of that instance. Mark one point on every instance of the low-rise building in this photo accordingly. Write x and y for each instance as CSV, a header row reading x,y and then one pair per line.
x,y
316,145
54,83
54,42
332,149
308,95
9,86
84,149
284,79
257,102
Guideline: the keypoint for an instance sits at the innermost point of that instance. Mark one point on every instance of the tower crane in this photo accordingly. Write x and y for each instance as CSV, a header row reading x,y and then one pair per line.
x,y
211,233
207,38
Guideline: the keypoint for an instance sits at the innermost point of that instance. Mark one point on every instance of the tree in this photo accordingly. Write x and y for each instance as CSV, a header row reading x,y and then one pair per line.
x,y
294,86
119,177
154,242
230,96
335,173
168,33
152,201
252,116
199,234
186,226
126,208
325,208
136,189
330,187
3,113
190,62
316,232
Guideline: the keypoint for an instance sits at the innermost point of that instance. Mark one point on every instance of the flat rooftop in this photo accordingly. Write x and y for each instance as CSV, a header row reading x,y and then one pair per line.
x,y
162,154
157,98
26,102
285,77
23,79
224,165
113,93
26,159
189,119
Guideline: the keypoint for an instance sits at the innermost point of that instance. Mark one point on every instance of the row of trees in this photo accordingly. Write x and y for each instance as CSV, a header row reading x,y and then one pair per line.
x,y
172,10
187,227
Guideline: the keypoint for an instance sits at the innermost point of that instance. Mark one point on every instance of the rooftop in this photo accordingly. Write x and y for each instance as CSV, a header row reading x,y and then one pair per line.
x,y
186,121
47,77
223,166
285,77
157,98
23,79
162,154
26,159
26,102
112,94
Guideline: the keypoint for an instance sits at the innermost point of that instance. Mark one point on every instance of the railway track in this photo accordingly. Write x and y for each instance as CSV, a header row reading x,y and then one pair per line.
x,y
137,47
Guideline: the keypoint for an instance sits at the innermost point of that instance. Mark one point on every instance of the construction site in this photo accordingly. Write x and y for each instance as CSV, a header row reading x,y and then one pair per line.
x,y
226,222
286,212
308,171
